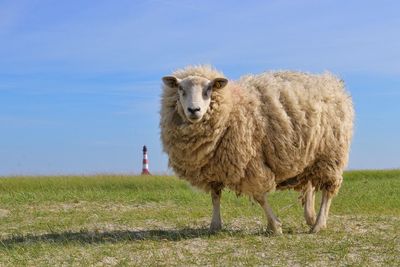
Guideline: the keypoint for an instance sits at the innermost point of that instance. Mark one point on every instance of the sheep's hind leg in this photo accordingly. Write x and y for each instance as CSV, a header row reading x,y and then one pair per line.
x,y
216,223
274,224
323,212
309,204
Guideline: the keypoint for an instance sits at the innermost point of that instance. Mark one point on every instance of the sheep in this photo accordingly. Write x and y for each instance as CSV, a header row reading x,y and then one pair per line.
x,y
265,132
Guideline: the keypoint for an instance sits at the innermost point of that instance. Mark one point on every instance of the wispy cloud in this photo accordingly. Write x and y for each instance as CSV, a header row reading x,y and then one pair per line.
x,y
158,36
24,121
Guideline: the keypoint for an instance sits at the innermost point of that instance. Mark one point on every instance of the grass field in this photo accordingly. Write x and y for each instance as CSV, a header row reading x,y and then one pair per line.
x,y
136,220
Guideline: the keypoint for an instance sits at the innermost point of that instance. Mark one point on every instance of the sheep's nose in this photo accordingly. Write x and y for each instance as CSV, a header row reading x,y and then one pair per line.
x,y
193,110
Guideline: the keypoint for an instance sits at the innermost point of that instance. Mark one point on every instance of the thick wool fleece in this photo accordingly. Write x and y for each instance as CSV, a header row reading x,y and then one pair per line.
x,y
267,131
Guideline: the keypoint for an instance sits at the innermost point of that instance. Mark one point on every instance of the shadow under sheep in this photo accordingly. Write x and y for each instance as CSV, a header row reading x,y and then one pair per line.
x,y
85,236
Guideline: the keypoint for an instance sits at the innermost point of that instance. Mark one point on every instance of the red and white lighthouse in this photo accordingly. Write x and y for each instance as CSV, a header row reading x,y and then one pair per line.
x,y
145,169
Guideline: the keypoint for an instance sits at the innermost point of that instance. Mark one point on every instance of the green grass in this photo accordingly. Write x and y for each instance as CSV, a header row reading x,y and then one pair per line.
x,y
139,220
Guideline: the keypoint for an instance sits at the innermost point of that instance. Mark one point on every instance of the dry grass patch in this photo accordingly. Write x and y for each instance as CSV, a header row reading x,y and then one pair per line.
x,y
140,221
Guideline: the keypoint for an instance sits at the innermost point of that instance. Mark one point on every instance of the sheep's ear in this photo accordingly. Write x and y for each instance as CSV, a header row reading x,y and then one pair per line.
x,y
171,81
219,83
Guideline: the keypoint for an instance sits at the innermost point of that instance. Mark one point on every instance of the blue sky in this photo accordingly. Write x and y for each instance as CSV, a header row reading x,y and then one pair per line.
x,y
80,80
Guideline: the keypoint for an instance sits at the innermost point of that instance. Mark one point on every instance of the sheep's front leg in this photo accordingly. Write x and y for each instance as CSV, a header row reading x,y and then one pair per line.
x,y
216,223
323,212
274,224
309,204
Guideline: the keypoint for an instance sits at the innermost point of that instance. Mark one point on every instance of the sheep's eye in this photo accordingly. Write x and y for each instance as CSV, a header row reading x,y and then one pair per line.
x,y
181,90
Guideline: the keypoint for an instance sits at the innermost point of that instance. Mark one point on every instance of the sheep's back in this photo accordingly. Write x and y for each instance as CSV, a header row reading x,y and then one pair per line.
x,y
307,117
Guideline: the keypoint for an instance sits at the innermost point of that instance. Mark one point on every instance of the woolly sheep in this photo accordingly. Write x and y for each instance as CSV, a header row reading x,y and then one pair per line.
x,y
275,130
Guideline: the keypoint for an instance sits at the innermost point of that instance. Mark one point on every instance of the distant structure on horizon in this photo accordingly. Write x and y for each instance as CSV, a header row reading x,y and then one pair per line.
x,y
145,169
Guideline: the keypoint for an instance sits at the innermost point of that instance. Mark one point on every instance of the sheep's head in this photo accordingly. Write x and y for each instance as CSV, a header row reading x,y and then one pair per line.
x,y
194,94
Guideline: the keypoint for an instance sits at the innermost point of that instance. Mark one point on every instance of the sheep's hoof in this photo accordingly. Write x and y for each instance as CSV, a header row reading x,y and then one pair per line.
x,y
275,229
311,220
214,228
317,227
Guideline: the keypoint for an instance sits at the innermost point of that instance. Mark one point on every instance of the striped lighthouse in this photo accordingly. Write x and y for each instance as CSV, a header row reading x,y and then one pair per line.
x,y
145,169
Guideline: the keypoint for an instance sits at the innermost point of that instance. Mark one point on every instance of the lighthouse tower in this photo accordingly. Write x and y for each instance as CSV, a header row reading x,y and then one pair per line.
x,y
145,169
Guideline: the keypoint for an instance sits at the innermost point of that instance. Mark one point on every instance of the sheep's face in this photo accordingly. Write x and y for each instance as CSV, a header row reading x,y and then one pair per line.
x,y
194,94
